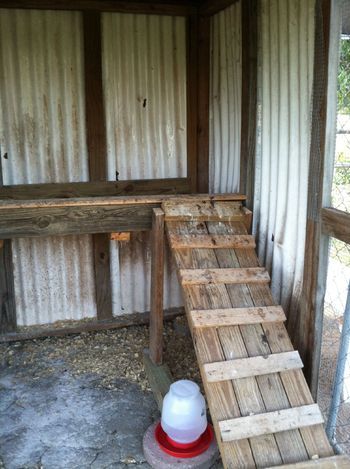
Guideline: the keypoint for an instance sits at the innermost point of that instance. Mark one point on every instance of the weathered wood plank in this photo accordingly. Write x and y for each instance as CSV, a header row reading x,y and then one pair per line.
x,y
71,190
49,221
236,316
157,285
334,462
224,275
8,318
140,7
76,327
271,422
336,223
114,201
192,99
202,211
211,241
159,378
252,366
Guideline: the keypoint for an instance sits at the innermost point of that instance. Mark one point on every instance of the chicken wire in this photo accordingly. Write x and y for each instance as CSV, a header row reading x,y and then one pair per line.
x,y
334,379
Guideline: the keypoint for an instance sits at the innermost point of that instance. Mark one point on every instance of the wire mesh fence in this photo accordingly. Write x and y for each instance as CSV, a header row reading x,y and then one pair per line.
x,y
334,384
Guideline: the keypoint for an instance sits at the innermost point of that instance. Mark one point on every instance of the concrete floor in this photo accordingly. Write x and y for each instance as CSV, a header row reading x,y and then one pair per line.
x,y
52,417
61,421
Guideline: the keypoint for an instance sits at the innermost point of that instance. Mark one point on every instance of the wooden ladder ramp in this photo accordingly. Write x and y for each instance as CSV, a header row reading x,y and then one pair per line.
x,y
262,410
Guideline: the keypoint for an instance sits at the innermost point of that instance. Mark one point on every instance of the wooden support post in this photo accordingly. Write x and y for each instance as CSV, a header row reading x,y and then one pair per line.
x,y
159,378
97,149
249,98
157,281
306,336
8,321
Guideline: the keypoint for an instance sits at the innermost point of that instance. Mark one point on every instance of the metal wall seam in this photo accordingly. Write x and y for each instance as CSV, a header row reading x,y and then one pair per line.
x,y
42,131
144,74
225,100
285,90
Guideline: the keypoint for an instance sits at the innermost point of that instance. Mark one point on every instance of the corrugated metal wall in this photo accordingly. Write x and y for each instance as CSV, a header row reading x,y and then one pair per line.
x,y
225,99
42,130
285,78
144,71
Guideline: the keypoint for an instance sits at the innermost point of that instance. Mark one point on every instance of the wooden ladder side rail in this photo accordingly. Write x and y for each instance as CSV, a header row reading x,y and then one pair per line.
x,y
252,366
333,462
270,422
157,286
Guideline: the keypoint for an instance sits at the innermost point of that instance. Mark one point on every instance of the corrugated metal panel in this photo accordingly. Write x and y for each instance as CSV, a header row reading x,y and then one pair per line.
x,y
42,129
144,68
285,77
225,99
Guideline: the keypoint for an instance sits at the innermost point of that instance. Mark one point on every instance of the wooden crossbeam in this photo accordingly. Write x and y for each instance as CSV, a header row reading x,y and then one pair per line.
x,y
333,462
270,422
237,316
206,241
253,366
251,275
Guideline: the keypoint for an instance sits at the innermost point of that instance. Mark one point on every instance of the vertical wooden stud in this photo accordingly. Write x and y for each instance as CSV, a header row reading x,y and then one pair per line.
x,y
157,284
249,99
306,336
192,109
8,320
203,83
97,150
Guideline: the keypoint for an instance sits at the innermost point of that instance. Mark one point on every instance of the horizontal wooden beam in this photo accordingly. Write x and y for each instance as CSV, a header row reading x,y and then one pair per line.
x,y
270,422
76,327
237,316
251,275
95,189
252,366
336,223
181,8
185,241
333,462
211,7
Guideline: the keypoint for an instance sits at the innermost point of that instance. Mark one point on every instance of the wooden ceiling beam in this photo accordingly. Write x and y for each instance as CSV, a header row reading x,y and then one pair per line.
x,y
211,7
155,7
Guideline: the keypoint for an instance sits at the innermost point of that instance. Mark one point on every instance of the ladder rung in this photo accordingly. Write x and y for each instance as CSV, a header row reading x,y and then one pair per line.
x,y
271,422
250,275
203,211
252,366
237,316
207,241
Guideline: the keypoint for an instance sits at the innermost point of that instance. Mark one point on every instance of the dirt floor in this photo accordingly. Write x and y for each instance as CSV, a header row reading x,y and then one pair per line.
x,y
83,401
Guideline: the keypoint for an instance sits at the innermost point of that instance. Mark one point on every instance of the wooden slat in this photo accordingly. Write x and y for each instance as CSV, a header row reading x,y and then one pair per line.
x,y
157,285
271,422
253,366
137,7
336,223
115,201
202,211
334,462
71,190
76,327
226,276
211,241
192,99
236,316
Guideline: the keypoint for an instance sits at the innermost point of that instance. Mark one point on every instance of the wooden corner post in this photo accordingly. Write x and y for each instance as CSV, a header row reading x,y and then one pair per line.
x,y
157,284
